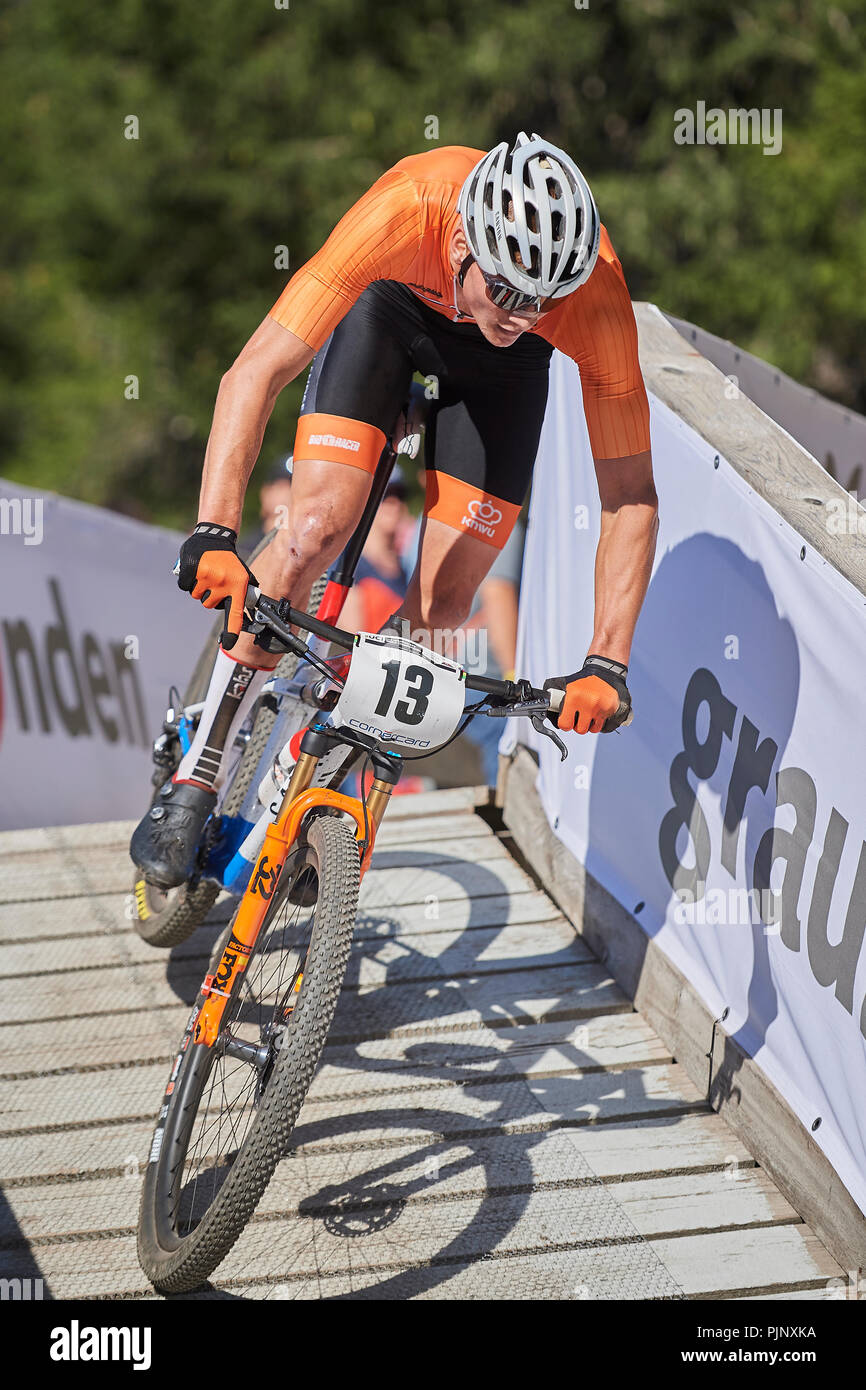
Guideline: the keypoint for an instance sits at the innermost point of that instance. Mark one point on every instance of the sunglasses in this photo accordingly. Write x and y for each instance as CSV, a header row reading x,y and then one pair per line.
x,y
503,295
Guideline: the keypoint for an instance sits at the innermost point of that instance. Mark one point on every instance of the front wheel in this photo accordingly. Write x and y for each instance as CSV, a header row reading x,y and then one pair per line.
x,y
229,1110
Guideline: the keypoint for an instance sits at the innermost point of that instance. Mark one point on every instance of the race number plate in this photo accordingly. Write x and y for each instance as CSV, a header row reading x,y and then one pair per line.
x,y
401,693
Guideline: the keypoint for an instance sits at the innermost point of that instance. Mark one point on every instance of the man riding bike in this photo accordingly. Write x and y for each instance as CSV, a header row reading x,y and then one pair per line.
x,y
470,268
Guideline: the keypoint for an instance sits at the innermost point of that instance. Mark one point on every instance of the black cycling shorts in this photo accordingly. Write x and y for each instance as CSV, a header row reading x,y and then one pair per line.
x,y
486,405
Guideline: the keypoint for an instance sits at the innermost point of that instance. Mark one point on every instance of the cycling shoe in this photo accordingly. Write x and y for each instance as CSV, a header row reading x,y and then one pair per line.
x,y
164,843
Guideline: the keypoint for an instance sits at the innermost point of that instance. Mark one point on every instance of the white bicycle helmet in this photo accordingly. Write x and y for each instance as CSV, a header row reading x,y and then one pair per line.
x,y
530,218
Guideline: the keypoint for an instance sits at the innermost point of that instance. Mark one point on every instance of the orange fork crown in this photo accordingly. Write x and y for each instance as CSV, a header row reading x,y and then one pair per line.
x,y
279,838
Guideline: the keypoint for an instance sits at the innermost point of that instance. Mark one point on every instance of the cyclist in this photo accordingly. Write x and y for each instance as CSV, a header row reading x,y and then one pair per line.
x,y
469,267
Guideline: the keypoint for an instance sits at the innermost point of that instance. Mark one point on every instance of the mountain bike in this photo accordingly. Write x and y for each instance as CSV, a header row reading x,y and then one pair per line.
x,y
256,1032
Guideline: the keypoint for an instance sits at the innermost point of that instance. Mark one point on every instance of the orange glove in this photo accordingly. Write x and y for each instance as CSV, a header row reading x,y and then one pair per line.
x,y
210,569
597,699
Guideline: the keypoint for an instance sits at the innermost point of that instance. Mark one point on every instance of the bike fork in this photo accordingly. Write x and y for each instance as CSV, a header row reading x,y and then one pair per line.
x,y
299,800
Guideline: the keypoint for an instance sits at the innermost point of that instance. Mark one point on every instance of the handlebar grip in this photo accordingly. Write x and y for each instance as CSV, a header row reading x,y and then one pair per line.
x,y
610,725
556,698
616,722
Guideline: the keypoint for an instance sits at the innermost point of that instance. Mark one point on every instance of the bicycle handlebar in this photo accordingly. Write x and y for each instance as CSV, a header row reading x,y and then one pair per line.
x,y
281,617
278,615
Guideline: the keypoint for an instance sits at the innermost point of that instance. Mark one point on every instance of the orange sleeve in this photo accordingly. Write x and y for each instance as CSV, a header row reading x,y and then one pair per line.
x,y
377,239
599,332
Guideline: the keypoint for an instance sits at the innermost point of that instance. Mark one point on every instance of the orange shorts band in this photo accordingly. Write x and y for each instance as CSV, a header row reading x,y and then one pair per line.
x,y
336,439
469,509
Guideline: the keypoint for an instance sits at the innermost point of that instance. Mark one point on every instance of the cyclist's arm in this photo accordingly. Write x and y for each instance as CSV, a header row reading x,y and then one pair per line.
x,y
271,359
626,546
377,239
601,336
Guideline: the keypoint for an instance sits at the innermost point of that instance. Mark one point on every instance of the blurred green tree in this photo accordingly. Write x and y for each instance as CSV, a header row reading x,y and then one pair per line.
x,y
158,155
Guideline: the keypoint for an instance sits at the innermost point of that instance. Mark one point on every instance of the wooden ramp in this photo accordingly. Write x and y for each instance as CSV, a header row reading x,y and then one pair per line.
x,y
491,1120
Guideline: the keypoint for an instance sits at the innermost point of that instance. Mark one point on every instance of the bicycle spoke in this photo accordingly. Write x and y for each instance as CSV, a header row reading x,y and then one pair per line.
x,y
234,1086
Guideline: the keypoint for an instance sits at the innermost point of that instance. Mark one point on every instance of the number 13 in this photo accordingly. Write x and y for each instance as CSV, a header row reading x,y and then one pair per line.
x,y
419,683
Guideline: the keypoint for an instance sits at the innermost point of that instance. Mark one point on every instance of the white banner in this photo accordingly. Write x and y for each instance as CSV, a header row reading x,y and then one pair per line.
x,y
93,631
729,818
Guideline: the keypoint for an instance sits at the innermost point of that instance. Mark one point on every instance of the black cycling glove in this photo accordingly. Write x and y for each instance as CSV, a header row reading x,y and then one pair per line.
x,y
586,706
209,568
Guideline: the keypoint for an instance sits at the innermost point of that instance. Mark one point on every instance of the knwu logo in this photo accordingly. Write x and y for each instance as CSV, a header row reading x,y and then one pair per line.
x,y
483,517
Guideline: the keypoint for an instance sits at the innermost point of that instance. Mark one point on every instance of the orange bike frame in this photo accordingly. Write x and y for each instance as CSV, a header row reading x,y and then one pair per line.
x,y
279,838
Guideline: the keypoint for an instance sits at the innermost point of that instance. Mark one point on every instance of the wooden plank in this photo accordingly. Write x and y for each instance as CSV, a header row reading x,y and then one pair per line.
x,y
651,1148
304,1247
421,806
115,833
736,1262
693,1202
134,987
457,949
623,1150
840,1289
348,1106
421,830
612,1040
512,1104
426,1175
75,1153
72,873
104,916
437,803
442,883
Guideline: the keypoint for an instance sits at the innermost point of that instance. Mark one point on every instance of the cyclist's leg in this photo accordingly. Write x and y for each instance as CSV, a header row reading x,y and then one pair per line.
x,y
325,506
482,448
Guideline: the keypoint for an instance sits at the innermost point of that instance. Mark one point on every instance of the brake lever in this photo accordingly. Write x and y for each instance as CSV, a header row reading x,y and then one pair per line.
x,y
537,711
539,724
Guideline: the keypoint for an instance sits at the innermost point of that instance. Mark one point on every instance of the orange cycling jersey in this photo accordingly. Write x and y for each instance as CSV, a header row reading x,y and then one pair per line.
x,y
401,230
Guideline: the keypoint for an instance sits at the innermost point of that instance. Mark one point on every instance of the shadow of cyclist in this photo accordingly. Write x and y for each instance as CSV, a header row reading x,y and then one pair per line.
x,y
733,631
